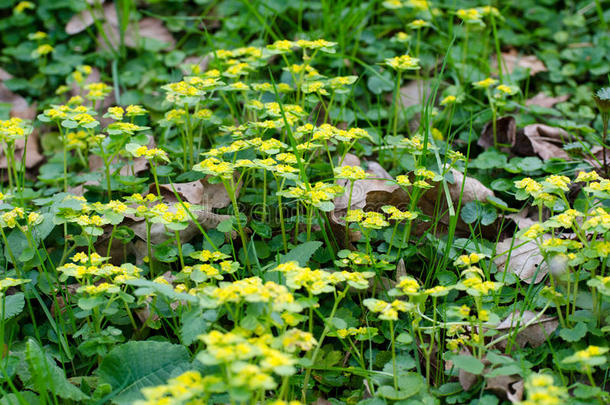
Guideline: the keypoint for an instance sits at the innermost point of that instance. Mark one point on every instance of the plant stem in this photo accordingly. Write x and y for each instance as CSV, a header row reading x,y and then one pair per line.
x,y
320,341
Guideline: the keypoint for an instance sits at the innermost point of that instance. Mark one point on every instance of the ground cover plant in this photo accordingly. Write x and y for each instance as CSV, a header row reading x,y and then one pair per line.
x,y
329,202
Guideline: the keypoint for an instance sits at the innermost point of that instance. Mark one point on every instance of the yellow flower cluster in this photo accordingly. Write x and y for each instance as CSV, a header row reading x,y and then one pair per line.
x,y
97,91
186,387
350,173
314,194
541,390
14,128
403,62
362,331
398,215
368,220
388,311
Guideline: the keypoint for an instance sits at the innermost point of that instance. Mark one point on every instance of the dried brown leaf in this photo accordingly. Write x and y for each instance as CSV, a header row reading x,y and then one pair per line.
x,y
146,28
543,100
524,261
512,60
507,386
81,21
506,131
542,140
4,75
534,334
21,109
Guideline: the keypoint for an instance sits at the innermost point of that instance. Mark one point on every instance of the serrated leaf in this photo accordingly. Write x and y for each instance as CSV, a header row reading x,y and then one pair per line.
x,y
134,365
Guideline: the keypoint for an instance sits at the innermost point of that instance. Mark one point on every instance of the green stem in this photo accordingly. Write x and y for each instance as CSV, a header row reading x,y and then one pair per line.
x,y
395,373
320,341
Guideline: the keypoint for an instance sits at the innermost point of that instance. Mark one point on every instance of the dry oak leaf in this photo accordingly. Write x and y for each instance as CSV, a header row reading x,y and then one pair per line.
x,y
21,109
512,60
542,140
362,188
81,21
542,100
147,27
534,334
507,386
524,260
506,132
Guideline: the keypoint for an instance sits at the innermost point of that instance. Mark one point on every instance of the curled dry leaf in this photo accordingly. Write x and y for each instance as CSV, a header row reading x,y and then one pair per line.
x,y
522,219
20,108
542,140
512,60
506,132
534,334
524,260
148,27
506,386
81,21
4,75
363,189
473,190
542,100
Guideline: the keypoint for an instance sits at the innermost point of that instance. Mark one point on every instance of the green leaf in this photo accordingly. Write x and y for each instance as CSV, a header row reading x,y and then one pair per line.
x,y
20,398
490,159
409,384
301,253
575,334
195,323
45,375
130,367
12,305
475,211
468,363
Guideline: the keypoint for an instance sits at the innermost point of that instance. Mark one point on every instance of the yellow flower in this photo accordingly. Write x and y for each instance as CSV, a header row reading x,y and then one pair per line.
x,y
398,215
403,180
469,16
560,182
464,311
531,186
408,285
485,84
38,35
42,50
350,173
449,100
417,24
585,177
403,62
22,6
